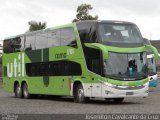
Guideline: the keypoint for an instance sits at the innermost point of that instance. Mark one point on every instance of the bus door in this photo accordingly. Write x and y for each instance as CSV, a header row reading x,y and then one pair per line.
x,y
96,85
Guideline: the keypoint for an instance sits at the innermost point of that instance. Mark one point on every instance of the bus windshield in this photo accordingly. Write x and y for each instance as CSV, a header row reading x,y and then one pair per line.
x,y
151,66
126,66
120,35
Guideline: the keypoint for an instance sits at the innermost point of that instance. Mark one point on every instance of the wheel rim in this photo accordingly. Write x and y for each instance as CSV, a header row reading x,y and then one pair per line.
x,y
25,91
80,94
18,90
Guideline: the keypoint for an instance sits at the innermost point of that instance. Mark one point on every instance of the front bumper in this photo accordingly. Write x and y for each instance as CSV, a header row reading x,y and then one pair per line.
x,y
112,91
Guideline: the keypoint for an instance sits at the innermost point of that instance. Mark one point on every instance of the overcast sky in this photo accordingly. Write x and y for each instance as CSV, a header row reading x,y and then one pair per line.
x,y
15,14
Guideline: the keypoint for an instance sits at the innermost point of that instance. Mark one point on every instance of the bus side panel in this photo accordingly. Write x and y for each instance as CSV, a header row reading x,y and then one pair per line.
x,y
8,84
57,86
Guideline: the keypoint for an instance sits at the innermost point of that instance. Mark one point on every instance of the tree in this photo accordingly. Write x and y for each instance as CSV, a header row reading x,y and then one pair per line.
x,y
36,25
83,13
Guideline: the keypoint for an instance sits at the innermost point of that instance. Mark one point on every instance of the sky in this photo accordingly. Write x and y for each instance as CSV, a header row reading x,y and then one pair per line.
x,y
15,14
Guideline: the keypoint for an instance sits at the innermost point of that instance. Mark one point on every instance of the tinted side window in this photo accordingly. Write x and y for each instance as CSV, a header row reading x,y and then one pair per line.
x,y
87,32
63,68
67,36
18,44
37,69
22,43
7,48
57,68
30,41
94,60
31,69
96,65
43,69
74,68
54,69
41,40
13,45
53,38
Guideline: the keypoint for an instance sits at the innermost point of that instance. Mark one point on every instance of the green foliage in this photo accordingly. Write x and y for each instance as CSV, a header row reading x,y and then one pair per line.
x,y
83,13
36,25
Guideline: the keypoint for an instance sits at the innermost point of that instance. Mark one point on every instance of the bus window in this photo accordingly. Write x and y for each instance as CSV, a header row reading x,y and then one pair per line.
x,y
7,46
30,41
44,69
68,37
14,45
120,35
41,40
53,38
96,66
87,32
18,44
92,56
54,69
74,68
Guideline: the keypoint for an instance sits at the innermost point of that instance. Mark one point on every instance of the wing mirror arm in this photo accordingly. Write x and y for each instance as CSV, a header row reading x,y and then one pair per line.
x,y
155,51
103,49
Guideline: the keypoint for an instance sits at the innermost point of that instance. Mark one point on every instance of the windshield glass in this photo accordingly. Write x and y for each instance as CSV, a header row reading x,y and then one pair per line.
x,y
151,66
120,35
126,66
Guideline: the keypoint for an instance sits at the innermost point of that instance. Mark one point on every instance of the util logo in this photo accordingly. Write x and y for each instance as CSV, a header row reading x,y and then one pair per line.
x,y
16,67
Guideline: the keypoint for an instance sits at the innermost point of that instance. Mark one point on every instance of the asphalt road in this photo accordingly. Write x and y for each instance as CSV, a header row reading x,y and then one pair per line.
x,y
49,105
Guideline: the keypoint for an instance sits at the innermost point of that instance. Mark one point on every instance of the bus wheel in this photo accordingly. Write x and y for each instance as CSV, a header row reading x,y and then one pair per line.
x,y
18,91
118,100
26,94
79,97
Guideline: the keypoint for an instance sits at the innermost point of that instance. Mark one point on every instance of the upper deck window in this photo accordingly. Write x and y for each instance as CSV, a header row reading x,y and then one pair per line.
x,y
41,40
120,35
87,32
13,45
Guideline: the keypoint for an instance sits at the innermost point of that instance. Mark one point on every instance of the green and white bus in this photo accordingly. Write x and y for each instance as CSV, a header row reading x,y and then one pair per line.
x,y
105,59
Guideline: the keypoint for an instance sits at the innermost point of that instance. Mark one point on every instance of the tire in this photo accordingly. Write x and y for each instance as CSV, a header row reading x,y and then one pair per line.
x,y
79,97
118,100
18,91
26,94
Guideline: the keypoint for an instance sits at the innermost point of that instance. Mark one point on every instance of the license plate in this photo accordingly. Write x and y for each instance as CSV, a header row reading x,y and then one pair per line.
x,y
129,93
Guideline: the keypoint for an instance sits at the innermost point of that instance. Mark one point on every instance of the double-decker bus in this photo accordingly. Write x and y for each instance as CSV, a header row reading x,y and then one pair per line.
x,y
152,71
105,59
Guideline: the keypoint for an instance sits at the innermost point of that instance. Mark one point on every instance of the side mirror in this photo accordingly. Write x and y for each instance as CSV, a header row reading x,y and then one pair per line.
x,y
155,51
